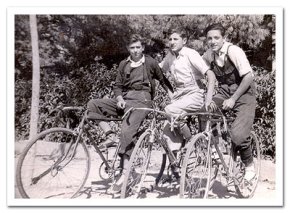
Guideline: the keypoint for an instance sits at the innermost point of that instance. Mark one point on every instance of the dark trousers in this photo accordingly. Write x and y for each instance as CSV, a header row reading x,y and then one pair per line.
x,y
244,110
130,126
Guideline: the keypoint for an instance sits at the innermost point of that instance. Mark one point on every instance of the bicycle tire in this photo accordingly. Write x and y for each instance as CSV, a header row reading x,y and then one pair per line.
x,y
196,168
244,188
40,173
137,168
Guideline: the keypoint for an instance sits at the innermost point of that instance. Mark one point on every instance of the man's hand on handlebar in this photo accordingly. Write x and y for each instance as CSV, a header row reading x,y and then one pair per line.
x,y
121,102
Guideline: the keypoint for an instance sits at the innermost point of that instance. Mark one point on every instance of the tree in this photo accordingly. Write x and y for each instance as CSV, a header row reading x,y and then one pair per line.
x,y
35,77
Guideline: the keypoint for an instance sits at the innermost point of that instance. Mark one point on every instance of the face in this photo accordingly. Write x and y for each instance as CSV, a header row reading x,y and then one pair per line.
x,y
176,42
136,50
215,40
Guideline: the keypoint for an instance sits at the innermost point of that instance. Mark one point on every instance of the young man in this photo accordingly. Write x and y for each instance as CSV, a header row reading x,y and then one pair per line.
x,y
134,87
186,68
236,89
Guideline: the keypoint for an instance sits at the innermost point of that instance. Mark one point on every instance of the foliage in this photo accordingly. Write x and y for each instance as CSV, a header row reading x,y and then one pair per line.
x,y
74,41
75,89
79,54
265,123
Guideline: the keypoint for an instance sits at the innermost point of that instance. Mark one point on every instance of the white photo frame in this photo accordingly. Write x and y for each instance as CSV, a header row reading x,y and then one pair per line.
x,y
13,200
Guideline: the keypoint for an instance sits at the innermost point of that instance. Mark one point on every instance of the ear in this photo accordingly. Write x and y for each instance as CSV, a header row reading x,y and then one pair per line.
x,y
184,41
225,39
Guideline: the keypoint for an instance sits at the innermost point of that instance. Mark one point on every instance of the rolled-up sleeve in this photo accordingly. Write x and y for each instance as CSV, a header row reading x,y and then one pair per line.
x,y
239,59
197,62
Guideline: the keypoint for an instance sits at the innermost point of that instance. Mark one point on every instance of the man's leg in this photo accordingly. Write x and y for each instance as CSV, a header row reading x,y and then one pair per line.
x,y
173,138
187,103
130,128
241,129
105,107
128,134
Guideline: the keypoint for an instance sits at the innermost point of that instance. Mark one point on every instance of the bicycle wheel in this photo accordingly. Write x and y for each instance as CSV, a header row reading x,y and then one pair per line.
x,y
244,188
50,168
196,168
134,184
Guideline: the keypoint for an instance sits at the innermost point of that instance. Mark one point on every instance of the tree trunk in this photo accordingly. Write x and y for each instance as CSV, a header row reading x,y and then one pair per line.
x,y
35,77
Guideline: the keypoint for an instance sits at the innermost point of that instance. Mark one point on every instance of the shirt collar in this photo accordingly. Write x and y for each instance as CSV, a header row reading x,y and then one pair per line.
x,y
224,48
142,60
182,51
137,63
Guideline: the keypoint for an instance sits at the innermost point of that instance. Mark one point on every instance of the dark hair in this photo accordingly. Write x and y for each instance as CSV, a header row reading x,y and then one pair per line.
x,y
217,26
180,31
135,38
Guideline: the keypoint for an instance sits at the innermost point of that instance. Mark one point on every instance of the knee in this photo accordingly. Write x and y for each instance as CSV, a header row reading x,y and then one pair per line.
x,y
93,105
170,109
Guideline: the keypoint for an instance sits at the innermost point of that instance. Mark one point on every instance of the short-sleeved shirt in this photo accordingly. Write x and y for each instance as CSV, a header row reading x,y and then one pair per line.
x,y
236,55
186,68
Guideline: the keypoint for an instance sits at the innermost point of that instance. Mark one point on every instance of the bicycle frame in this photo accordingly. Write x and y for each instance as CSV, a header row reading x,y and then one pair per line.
x,y
228,168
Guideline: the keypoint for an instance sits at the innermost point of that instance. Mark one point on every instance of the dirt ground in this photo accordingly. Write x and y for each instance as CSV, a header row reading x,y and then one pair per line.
x,y
96,188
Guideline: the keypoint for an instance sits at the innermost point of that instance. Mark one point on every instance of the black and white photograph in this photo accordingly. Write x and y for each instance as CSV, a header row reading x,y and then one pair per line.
x,y
156,107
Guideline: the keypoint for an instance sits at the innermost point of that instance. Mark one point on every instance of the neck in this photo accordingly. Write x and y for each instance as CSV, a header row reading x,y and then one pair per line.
x,y
176,53
136,59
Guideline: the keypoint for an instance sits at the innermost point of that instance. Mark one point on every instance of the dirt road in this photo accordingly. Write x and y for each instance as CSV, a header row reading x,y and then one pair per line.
x,y
96,188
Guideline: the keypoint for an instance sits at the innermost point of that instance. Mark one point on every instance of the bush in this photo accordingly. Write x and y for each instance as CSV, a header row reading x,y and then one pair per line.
x,y
57,89
95,81
265,123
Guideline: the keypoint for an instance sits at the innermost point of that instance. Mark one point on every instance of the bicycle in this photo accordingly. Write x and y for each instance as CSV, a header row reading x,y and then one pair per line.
x,y
210,153
46,168
135,183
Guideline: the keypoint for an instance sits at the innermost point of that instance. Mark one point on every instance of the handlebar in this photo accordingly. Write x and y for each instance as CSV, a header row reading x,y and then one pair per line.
x,y
176,119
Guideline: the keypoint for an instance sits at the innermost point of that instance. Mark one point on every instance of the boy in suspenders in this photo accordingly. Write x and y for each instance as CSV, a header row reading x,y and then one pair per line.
x,y
236,90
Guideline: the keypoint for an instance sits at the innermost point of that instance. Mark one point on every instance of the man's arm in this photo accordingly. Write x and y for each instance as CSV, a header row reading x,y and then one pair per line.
x,y
118,88
245,83
239,59
209,105
159,75
121,102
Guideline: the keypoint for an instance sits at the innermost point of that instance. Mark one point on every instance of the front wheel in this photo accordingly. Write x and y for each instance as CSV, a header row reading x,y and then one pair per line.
x,y
244,188
196,168
49,166
134,184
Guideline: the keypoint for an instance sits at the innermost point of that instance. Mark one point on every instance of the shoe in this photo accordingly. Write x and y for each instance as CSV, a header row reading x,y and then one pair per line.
x,y
110,141
175,171
116,186
169,181
250,172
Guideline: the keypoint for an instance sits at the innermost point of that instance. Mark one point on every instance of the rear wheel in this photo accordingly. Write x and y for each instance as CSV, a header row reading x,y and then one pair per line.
x,y
196,168
244,188
135,184
50,168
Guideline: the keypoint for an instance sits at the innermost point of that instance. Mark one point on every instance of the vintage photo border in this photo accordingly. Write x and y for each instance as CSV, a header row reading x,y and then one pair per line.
x,y
277,11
